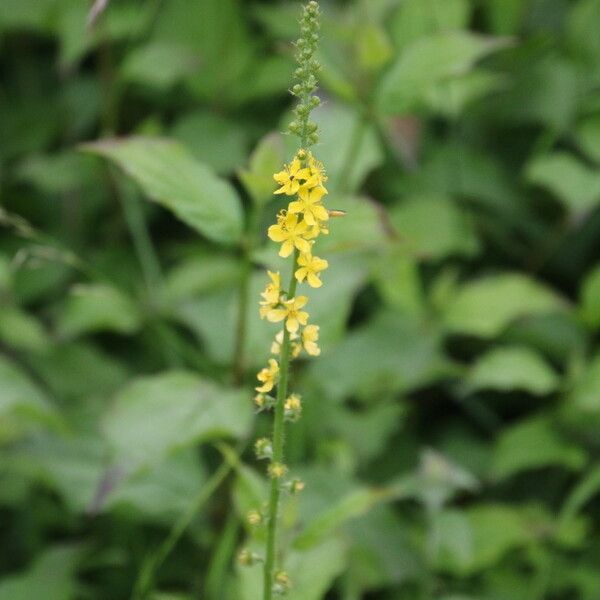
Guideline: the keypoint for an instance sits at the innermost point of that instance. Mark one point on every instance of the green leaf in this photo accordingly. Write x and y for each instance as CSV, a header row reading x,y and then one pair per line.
x,y
158,64
22,403
534,444
590,299
349,146
476,539
98,307
22,331
218,142
266,159
512,368
155,415
169,175
52,577
485,307
428,61
571,181
351,506
415,19
312,572
351,369
433,227
587,136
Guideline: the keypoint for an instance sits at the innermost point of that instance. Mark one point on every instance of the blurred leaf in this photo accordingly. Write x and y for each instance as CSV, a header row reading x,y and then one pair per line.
x,y
582,493
427,61
22,403
512,367
266,159
582,406
475,539
218,142
157,414
312,572
414,19
434,227
505,16
22,331
587,136
170,176
583,22
158,64
51,576
574,184
533,444
373,47
98,307
398,280
484,307
349,147
351,506
352,370
590,299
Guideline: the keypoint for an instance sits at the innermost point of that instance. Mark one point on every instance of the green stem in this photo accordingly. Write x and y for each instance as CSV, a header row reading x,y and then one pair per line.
x,y
278,443
146,576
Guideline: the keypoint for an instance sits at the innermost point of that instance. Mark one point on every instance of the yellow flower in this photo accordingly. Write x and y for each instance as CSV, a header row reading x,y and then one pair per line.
x,y
309,268
289,179
276,345
293,408
291,313
309,204
276,470
310,335
271,294
316,230
317,172
289,231
267,376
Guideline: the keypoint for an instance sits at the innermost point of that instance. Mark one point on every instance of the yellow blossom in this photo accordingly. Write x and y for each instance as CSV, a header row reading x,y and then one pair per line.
x,y
316,230
267,376
309,204
276,345
271,294
289,231
310,266
289,179
293,408
310,335
277,470
317,172
291,313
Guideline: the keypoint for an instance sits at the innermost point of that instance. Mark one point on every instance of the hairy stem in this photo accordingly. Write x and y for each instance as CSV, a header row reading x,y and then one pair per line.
x,y
278,444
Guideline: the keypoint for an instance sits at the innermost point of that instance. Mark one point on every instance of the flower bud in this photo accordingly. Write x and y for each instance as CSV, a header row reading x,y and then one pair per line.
x,y
281,583
254,517
263,448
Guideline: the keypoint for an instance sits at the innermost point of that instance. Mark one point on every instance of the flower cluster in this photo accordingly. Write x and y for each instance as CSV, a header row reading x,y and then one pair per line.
x,y
297,228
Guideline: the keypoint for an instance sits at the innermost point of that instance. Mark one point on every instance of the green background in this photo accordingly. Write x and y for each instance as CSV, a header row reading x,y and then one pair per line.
x,y
451,430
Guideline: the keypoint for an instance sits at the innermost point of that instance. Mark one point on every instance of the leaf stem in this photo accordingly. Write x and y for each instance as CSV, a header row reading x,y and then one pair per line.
x,y
278,445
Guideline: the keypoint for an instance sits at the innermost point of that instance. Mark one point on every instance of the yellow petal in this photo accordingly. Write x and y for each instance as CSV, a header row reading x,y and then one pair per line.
x,y
313,280
286,249
277,314
295,207
292,325
301,244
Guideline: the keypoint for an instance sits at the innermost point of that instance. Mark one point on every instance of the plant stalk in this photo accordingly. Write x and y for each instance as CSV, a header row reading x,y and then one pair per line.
x,y
278,443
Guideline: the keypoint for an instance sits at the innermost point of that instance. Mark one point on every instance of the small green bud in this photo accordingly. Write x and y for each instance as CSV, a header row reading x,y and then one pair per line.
x,y
297,89
313,138
294,127
263,448
315,101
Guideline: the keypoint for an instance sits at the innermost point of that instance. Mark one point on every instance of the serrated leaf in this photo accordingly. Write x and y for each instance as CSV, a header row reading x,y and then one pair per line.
x,y
428,61
512,368
590,299
534,444
570,180
169,175
484,307
98,307
155,415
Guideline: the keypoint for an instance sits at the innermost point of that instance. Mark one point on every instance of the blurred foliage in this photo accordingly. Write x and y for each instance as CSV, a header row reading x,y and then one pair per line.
x,y
451,435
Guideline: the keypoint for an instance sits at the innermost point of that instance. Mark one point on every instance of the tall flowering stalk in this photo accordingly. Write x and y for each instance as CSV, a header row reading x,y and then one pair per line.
x,y
297,228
